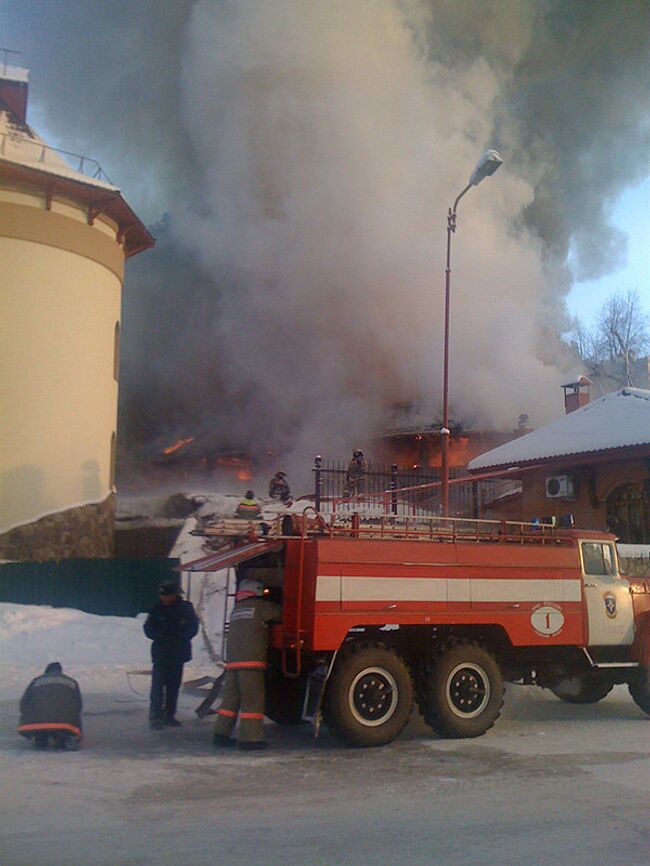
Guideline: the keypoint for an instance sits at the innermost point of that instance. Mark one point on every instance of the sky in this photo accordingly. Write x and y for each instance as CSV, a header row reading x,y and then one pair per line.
x,y
296,160
630,213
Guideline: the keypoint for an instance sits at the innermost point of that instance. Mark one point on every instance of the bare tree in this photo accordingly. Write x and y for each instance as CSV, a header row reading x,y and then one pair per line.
x,y
585,343
620,334
623,328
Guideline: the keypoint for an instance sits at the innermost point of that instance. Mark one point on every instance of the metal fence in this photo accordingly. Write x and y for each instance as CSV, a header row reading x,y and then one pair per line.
x,y
404,490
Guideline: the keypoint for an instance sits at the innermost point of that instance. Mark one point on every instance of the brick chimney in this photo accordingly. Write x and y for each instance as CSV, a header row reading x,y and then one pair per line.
x,y
14,84
576,394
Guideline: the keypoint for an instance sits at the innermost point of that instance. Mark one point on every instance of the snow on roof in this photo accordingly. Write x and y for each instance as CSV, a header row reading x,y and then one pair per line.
x,y
15,73
617,420
577,380
19,144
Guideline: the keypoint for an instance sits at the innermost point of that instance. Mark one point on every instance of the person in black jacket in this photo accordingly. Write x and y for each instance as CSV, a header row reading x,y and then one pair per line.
x,y
171,625
50,708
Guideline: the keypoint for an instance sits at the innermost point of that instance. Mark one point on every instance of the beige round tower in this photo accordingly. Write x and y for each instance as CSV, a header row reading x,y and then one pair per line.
x,y
65,233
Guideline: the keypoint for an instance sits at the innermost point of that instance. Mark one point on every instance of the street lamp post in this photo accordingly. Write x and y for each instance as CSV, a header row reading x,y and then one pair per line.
x,y
486,166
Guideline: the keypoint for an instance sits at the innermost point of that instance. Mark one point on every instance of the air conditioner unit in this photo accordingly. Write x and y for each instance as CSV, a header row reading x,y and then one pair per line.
x,y
559,487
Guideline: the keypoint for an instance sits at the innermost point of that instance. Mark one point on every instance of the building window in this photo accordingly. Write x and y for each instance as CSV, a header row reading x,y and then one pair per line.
x,y
628,513
116,352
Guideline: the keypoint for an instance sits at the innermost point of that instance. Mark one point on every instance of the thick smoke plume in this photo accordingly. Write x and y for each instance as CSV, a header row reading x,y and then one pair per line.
x,y
300,156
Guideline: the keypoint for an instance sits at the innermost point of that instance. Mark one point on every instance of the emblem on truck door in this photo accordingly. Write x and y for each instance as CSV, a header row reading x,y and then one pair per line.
x,y
610,604
547,620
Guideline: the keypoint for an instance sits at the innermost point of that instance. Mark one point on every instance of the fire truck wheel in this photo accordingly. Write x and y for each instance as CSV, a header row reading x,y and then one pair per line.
x,y
463,693
369,697
639,687
582,690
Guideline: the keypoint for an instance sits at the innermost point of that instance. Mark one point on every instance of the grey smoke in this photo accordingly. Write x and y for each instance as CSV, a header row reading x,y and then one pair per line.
x,y
305,154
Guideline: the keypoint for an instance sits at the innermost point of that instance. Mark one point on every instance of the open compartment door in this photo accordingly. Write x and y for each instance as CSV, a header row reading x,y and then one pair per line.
x,y
231,556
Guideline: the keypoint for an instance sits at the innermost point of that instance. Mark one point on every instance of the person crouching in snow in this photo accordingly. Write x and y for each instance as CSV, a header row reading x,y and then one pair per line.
x,y
171,625
248,508
50,708
244,688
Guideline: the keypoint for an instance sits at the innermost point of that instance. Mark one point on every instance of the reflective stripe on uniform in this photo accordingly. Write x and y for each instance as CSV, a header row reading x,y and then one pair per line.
x,y
243,612
54,680
251,715
50,726
228,713
234,666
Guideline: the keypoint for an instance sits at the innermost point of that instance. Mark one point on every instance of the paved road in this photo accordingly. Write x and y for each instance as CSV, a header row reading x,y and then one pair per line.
x,y
551,783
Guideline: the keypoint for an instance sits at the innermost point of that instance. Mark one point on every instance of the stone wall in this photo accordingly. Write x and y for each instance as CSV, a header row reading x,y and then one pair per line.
x,y
82,533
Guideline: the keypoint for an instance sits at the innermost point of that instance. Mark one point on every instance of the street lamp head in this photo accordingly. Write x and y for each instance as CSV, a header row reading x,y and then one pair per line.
x,y
487,165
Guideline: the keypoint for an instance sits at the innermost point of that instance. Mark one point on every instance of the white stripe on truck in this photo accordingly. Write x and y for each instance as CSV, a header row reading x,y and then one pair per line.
x,y
390,589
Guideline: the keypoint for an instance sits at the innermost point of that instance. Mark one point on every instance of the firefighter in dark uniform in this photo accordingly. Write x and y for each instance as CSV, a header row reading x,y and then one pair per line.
x,y
248,508
355,477
246,647
51,709
279,487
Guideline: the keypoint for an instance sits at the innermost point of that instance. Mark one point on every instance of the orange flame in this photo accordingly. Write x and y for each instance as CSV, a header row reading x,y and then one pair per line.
x,y
178,444
231,461
244,475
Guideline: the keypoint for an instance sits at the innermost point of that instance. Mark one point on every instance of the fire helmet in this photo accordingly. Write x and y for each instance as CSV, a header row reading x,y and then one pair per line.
x,y
251,584
250,494
357,453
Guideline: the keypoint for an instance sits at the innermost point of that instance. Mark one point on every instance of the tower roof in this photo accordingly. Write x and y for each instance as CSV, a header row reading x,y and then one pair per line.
x,y
26,157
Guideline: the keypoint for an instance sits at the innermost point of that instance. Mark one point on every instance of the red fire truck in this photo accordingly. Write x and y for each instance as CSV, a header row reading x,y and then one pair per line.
x,y
380,612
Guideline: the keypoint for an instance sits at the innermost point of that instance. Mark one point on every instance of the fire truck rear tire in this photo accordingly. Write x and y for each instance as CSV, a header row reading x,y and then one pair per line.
x,y
639,688
369,697
463,692
583,690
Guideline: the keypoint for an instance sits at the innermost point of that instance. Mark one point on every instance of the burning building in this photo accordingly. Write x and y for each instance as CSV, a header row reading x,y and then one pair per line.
x,y
411,443
198,456
65,232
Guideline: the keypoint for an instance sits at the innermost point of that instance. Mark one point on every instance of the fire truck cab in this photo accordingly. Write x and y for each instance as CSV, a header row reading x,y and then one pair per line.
x,y
383,612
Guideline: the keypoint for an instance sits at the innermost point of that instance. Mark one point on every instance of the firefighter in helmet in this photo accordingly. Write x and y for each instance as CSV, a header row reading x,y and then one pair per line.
x,y
246,648
355,477
279,487
249,508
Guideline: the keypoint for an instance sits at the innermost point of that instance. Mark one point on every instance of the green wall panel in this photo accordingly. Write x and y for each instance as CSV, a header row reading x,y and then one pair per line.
x,y
110,587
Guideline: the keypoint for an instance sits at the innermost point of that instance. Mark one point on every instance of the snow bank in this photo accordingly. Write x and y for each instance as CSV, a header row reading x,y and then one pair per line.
x,y
35,635
99,651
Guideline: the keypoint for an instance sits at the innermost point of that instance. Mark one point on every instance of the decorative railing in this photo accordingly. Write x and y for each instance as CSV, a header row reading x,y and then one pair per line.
x,y
75,161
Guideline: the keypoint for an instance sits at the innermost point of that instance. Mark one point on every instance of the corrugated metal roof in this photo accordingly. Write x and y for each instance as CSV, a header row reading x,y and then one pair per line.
x,y
618,420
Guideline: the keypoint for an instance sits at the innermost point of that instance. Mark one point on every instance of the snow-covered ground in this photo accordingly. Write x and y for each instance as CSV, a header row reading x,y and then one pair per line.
x,y
551,782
